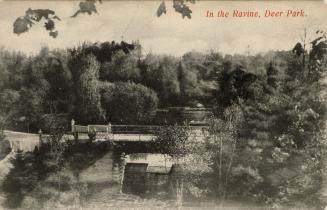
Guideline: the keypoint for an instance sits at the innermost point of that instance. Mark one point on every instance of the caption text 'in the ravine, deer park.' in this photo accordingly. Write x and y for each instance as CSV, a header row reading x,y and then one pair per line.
x,y
266,13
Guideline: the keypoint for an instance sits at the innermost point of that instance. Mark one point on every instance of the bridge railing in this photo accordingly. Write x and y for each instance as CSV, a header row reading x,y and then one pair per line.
x,y
135,131
127,129
80,129
99,128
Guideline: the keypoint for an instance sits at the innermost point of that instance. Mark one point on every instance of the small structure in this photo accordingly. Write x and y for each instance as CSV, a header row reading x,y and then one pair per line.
x,y
147,174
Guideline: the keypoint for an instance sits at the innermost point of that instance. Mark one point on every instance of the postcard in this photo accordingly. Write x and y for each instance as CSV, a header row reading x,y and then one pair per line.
x,y
168,104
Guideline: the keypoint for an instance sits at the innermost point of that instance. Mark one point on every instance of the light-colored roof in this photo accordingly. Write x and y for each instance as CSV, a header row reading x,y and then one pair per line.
x,y
158,169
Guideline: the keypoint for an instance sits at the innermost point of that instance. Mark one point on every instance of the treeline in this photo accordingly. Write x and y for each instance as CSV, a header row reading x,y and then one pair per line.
x,y
102,82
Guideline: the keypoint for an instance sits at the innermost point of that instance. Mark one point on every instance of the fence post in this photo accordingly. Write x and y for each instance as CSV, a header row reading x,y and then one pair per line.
x,y
72,125
109,128
40,138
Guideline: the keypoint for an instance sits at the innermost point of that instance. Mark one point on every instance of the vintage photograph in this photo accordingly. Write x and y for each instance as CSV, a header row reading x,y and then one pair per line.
x,y
163,104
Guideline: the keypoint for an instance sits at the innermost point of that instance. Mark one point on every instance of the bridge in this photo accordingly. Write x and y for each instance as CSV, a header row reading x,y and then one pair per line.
x,y
115,133
143,133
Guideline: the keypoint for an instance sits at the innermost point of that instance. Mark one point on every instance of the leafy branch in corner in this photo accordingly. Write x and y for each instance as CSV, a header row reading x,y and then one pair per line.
x,y
88,6
180,6
24,23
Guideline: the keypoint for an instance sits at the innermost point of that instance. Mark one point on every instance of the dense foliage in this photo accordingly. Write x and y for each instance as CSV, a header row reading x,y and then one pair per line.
x,y
128,103
72,82
265,139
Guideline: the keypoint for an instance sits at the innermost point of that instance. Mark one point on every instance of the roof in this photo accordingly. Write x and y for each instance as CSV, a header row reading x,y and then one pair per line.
x,y
149,163
158,169
136,167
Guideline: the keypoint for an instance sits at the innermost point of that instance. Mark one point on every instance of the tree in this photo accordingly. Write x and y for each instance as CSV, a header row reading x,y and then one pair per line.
x,y
174,141
271,76
200,76
223,148
189,173
58,75
129,103
33,90
235,85
85,74
188,85
317,56
56,150
12,66
122,67
159,73
8,107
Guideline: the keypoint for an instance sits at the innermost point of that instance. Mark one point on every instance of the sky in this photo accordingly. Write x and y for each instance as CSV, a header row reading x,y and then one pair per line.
x,y
169,34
